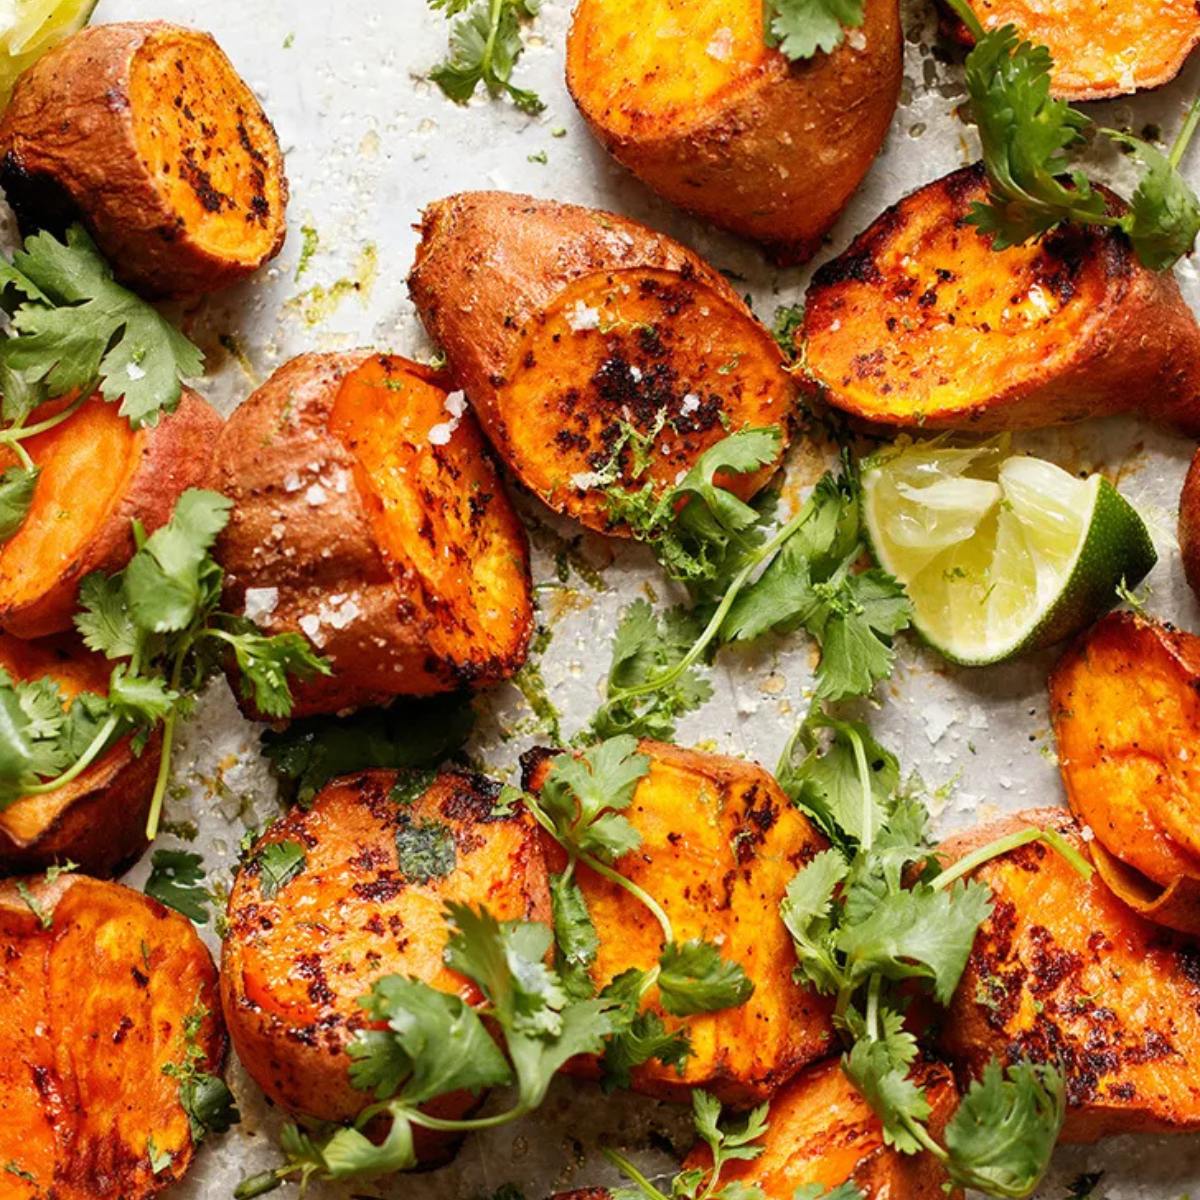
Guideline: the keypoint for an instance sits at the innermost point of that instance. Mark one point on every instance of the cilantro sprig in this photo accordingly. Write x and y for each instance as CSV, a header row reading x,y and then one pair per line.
x,y
801,28
485,44
206,1099
1026,136
72,330
582,806
426,1043
872,916
748,576
159,622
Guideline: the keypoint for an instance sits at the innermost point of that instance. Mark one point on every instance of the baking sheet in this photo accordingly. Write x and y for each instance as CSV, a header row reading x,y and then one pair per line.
x,y
368,142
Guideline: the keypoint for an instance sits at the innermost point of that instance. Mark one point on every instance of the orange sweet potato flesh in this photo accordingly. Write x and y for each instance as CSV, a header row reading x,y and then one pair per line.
x,y
290,988
720,843
97,477
98,820
1064,972
83,1095
145,132
1101,48
921,322
368,511
821,1131
1126,714
688,96
562,322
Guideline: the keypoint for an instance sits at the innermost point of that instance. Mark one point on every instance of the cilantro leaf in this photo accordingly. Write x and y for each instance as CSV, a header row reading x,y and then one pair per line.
x,y
575,939
639,1036
1001,1136
485,45
266,663
694,978
209,1104
177,880
436,1043
807,911
1164,213
16,495
409,734
104,619
425,849
799,28
77,327
896,1100
278,863
815,1191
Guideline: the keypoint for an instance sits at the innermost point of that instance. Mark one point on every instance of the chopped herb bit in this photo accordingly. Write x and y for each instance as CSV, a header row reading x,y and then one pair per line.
x,y
426,850
177,880
278,864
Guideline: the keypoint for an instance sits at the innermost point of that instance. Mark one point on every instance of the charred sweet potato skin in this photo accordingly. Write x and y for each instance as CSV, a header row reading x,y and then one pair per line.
x,y
720,843
820,1130
91,134
771,150
304,529
140,474
525,297
1064,972
921,322
290,989
1100,49
1124,706
84,1095
97,821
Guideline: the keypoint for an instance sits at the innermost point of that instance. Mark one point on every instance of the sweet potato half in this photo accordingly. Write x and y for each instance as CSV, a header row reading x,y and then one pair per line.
x,y
1126,713
368,515
691,99
568,328
921,322
720,842
146,133
104,993
1064,972
98,820
1189,525
97,477
1101,48
382,854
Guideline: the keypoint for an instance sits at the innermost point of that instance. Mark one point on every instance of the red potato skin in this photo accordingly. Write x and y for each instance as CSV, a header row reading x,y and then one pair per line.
x,y
748,166
176,454
86,80
272,532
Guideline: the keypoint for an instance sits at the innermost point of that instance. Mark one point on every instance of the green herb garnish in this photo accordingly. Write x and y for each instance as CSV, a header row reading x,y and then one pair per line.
x,y
177,880
800,28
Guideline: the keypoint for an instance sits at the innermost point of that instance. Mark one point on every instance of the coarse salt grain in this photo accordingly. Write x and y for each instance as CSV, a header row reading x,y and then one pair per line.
x,y
691,402
721,46
260,602
315,495
583,317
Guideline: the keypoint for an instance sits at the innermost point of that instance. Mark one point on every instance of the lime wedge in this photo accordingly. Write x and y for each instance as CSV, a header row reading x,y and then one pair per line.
x,y
999,553
28,28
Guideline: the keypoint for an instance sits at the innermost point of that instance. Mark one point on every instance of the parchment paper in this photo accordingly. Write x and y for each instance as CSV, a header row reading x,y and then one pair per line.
x,y
368,143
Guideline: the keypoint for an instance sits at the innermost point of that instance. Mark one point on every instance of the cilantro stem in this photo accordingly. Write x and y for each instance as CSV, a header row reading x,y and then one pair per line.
x,y
631,1172
19,433
81,764
966,14
864,779
489,49
1184,137
1004,845
168,740
765,551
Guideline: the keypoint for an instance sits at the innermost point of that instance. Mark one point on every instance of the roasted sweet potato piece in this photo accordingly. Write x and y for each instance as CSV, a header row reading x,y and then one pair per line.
x,y
921,322
146,133
102,988
691,99
97,821
382,855
1101,48
1189,525
1064,972
368,515
97,477
720,842
570,327
1126,714
822,1131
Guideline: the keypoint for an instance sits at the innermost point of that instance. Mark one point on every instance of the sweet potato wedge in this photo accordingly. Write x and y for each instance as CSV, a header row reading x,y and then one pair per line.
x,y
369,517
691,99
1101,48
921,322
146,133
720,842
569,327
102,989
97,477
1126,714
98,820
382,854
822,1131
1189,525
1064,972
